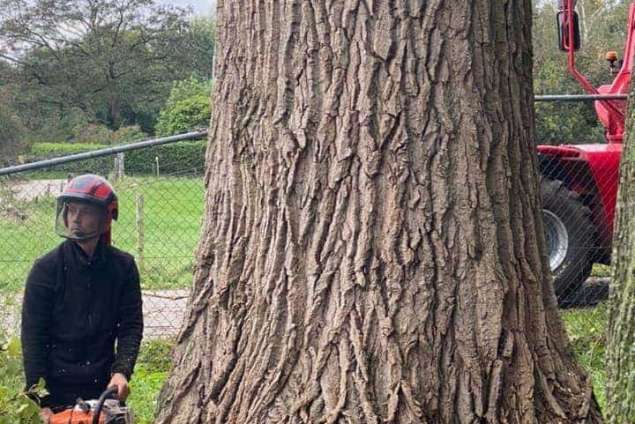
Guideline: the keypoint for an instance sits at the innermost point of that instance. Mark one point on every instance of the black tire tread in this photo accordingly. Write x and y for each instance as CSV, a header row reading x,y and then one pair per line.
x,y
579,262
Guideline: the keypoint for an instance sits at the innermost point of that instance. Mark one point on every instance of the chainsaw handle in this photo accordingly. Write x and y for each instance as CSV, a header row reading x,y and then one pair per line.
x,y
110,391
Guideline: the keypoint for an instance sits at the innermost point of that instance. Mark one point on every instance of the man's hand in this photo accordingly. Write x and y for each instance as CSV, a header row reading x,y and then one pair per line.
x,y
121,382
45,415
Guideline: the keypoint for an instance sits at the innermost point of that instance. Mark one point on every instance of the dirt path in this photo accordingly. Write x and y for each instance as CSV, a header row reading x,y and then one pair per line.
x,y
31,190
162,311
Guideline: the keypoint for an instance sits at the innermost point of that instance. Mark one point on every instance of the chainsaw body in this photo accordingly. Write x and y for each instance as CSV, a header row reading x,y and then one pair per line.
x,y
101,411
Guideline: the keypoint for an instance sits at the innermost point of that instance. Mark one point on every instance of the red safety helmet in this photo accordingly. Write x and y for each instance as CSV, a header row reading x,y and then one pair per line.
x,y
93,190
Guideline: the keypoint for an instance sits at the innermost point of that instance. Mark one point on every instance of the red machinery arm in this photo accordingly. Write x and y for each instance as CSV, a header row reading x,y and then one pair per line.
x,y
610,112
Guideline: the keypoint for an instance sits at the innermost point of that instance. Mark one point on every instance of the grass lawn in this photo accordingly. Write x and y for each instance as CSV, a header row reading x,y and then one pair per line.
x,y
587,329
601,271
150,374
173,209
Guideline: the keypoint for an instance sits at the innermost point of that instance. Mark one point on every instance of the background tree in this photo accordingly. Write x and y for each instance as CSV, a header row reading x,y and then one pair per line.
x,y
114,60
603,28
621,349
11,131
187,107
372,249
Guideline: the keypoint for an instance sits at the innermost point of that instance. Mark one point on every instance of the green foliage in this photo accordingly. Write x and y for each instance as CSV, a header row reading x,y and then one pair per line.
x,y
201,37
92,133
185,158
101,166
50,150
587,334
15,405
188,107
150,374
128,135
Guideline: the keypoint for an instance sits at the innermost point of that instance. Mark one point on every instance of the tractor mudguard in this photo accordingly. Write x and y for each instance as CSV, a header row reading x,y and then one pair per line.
x,y
592,171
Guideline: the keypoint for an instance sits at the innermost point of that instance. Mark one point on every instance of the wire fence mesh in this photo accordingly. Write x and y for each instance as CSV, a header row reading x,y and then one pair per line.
x,y
578,190
161,208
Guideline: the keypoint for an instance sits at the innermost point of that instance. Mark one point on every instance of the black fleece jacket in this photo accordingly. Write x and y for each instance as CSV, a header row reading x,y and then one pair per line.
x,y
82,319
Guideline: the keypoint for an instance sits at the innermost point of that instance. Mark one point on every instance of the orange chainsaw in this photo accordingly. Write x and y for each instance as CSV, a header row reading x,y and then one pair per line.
x,y
105,410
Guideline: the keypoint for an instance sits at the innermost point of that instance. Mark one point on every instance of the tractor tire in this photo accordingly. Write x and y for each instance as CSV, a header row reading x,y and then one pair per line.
x,y
570,239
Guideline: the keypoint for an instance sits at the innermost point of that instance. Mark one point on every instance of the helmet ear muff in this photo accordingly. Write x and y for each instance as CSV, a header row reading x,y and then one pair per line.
x,y
114,209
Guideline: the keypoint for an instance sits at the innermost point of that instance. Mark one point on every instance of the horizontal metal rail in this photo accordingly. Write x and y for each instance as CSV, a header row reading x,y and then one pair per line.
x,y
579,97
194,135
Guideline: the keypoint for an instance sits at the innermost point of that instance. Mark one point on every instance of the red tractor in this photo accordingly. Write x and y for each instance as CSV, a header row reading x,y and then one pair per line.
x,y
579,182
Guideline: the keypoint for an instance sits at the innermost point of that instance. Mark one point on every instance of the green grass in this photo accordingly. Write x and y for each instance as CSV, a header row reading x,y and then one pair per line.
x,y
173,209
599,270
587,332
150,373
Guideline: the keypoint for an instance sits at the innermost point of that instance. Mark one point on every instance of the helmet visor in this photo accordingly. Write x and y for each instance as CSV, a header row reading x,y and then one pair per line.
x,y
78,220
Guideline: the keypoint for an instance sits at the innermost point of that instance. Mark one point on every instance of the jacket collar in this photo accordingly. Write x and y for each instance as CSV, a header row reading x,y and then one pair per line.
x,y
80,257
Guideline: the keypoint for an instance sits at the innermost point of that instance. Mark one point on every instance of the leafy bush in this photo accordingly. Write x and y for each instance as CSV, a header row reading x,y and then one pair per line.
x,y
183,158
92,133
128,135
187,107
15,405
40,151
51,150
150,373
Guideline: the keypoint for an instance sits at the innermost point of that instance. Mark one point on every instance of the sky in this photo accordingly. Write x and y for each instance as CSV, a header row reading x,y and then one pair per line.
x,y
201,7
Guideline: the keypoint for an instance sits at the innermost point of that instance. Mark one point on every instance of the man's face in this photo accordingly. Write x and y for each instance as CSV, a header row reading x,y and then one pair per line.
x,y
84,220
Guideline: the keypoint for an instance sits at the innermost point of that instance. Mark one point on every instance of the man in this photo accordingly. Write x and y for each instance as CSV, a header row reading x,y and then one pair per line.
x,y
82,321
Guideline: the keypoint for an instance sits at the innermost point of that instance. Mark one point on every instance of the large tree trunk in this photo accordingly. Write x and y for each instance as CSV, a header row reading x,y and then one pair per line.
x,y
372,244
621,351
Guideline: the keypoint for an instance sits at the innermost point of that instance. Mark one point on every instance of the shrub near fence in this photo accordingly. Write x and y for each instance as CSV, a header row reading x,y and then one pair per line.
x,y
41,151
185,158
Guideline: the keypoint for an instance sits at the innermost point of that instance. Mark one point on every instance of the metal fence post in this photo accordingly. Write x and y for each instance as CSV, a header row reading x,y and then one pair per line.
x,y
119,170
140,231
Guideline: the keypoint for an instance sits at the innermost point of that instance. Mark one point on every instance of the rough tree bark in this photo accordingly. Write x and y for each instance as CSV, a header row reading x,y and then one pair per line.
x,y
621,350
372,244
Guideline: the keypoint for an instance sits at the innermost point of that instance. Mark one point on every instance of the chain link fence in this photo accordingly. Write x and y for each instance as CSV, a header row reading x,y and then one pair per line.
x,y
160,191
579,189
